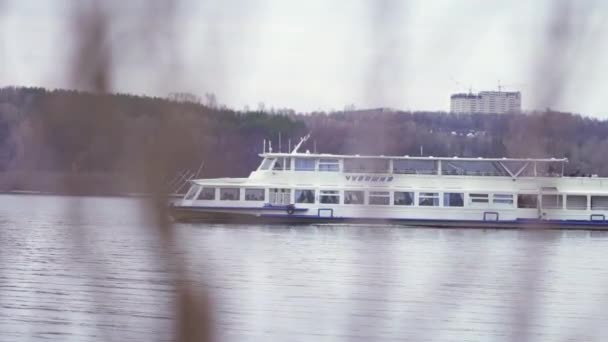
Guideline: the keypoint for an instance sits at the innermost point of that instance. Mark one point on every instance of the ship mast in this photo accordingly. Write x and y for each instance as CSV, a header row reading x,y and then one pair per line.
x,y
302,140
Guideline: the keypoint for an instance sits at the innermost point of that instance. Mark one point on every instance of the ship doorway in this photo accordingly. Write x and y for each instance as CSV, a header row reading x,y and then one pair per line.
x,y
279,196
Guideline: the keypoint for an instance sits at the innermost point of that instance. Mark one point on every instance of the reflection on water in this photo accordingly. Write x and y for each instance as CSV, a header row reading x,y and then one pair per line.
x,y
100,277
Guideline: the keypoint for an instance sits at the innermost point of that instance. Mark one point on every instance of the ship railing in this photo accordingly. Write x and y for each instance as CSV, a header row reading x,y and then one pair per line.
x,y
415,172
471,173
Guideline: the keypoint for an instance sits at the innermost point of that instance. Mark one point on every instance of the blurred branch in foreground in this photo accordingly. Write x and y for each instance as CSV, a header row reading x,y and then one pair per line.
x,y
556,57
95,55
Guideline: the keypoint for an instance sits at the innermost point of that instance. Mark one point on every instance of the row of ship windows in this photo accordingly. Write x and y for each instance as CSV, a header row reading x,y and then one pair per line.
x,y
383,166
356,165
406,198
349,165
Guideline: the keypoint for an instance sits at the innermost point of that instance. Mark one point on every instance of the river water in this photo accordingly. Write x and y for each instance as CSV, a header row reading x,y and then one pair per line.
x,y
92,269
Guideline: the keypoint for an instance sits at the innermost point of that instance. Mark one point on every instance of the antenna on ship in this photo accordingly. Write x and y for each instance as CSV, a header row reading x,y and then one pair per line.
x,y
288,144
280,150
302,140
264,147
270,146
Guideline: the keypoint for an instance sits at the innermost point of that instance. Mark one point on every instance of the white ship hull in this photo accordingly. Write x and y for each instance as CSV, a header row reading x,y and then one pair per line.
x,y
484,215
313,188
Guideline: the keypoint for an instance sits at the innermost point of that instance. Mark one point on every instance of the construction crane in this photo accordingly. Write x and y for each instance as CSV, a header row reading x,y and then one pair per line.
x,y
502,86
461,85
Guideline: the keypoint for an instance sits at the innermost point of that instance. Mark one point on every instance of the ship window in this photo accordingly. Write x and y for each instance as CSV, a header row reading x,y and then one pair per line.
x,y
229,194
428,199
282,164
552,201
329,196
413,166
192,192
453,199
478,198
305,164
503,199
254,194
305,196
366,165
266,163
207,194
576,202
353,197
287,164
329,165
599,202
527,201
476,167
278,165
403,198
379,197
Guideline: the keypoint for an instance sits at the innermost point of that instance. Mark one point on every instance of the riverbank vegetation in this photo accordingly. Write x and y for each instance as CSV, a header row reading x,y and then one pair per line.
x,y
51,136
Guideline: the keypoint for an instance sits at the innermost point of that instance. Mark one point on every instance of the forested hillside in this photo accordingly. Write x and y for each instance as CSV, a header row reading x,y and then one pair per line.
x,y
81,134
548,134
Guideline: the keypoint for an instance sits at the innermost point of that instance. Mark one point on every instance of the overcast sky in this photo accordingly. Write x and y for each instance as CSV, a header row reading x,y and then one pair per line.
x,y
323,54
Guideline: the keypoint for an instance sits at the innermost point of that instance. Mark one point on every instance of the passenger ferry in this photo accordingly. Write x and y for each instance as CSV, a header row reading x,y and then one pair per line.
x,y
309,187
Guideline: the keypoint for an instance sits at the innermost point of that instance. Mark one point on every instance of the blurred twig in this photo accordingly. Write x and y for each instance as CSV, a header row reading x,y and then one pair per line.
x,y
556,57
95,55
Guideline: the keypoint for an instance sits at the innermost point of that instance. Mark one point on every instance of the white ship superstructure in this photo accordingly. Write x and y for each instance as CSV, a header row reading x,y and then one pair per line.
x,y
469,192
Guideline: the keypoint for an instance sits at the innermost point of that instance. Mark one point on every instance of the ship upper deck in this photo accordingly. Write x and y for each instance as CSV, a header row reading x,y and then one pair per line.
x,y
407,157
429,165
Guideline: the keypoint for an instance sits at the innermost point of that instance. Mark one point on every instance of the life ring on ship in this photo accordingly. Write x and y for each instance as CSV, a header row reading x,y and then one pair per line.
x,y
291,209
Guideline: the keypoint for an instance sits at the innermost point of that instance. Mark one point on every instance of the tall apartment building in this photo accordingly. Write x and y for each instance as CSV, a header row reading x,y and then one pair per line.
x,y
492,102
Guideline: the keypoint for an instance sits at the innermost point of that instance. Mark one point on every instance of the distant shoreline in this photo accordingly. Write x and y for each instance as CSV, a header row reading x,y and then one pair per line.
x,y
46,193
55,183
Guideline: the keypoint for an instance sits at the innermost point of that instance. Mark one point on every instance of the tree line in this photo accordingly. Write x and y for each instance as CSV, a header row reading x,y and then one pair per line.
x,y
79,133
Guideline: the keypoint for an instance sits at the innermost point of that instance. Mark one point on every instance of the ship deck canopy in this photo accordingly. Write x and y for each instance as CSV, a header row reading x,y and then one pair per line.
x,y
509,167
